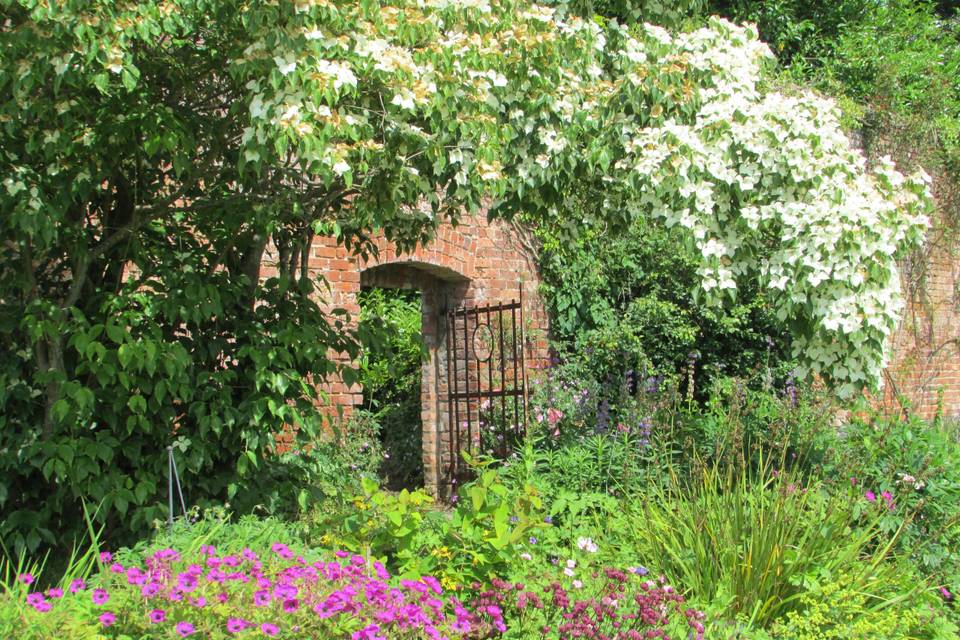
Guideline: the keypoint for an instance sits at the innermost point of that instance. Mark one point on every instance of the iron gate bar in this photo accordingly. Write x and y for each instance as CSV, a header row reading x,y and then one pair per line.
x,y
453,408
503,380
489,367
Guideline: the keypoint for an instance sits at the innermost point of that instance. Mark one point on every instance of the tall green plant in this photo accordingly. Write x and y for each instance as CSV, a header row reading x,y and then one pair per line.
x,y
750,541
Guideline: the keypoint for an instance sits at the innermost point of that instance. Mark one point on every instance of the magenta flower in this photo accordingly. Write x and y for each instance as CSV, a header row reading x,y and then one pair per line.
x,y
107,618
56,593
870,496
291,605
105,557
77,585
157,616
269,629
185,629
236,625
25,578
100,596
946,593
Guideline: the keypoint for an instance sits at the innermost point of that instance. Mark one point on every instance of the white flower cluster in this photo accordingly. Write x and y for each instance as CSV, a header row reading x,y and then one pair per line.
x,y
769,186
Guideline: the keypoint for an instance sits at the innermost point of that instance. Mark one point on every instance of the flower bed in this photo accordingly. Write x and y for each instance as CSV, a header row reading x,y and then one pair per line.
x,y
286,594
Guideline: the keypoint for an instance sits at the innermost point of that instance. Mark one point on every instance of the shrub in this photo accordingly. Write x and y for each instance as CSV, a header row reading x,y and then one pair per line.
x,y
915,463
844,607
625,302
477,539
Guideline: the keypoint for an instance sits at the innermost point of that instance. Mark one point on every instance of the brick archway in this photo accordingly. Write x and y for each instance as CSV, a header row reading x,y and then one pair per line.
x,y
474,262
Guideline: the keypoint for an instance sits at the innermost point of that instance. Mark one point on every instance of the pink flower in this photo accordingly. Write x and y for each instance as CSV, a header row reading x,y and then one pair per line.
x,y
554,416
185,629
269,629
870,496
106,618
77,585
100,596
25,578
946,593
157,616
888,498
106,556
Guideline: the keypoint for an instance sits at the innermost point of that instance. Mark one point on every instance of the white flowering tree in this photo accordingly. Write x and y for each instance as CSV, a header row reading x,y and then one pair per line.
x,y
149,151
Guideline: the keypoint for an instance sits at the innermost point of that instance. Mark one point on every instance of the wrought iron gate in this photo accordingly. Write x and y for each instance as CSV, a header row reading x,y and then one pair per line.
x,y
486,383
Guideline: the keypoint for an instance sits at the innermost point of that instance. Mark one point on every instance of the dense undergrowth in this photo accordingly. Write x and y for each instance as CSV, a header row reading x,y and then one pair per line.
x,y
765,513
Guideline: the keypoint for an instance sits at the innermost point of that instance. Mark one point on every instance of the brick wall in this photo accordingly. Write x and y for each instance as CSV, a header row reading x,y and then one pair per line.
x,y
925,368
926,346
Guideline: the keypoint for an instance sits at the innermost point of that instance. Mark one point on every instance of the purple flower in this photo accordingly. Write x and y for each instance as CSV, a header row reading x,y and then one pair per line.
x,y
77,585
55,593
533,540
291,605
548,519
870,496
157,616
269,629
100,596
105,557
25,578
185,629
640,571
106,618
946,593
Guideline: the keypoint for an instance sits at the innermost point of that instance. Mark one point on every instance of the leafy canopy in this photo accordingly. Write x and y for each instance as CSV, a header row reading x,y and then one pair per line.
x,y
153,155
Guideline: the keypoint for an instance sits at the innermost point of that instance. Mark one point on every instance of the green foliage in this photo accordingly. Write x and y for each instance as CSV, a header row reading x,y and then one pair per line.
x,y
843,608
477,539
390,372
916,463
627,302
798,31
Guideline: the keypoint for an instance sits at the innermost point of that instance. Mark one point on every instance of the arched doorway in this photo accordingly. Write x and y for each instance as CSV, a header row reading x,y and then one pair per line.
x,y
439,288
